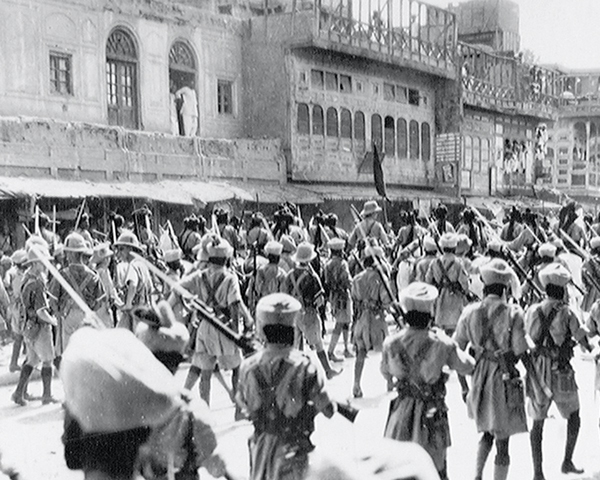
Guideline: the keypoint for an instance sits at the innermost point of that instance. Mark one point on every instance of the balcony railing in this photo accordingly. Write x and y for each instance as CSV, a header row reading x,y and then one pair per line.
x,y
506,82
405,30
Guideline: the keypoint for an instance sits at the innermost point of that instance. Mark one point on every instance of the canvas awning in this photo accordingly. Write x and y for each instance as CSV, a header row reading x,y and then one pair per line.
x,y
167,191
279,193
367,192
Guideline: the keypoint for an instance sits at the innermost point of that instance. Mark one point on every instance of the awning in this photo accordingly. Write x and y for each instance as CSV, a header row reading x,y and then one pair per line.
x,y
166,191
279,193
367,192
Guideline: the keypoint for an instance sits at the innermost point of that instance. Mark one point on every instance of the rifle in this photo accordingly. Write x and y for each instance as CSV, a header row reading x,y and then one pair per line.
x,y
244,342
80,213
509,256
584,255
397,310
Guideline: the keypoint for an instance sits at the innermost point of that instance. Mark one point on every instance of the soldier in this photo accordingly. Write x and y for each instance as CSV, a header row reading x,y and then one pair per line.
x,y
513,227
568,223
269,277
554,328
116,393
471,228
590,272
51,238
100,261
175,269
178,448
218,287
134,280
14,281
288,249
369,227
447,273
421,266
257,235
495,330
303,284
226,230
282,391
84,229
84,281
440,226
412,363
37,328
337,284
370,298
193,229
330,222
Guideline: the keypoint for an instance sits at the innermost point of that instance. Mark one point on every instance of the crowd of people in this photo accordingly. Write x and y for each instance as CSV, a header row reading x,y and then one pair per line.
x,y
117,319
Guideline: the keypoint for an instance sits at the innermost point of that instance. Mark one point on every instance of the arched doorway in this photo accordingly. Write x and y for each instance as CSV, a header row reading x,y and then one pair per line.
x,y
182,86
122,79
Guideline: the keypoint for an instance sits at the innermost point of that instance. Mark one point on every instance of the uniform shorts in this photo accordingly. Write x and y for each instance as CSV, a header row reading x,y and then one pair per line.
x,y
566,402
206,361
309,324
40,349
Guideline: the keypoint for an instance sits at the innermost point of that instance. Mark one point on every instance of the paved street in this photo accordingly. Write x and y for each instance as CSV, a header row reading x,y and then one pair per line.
x,y
31,435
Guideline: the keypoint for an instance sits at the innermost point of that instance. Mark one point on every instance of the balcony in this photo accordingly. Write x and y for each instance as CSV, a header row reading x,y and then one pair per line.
x,y
405,33
506,84
588,106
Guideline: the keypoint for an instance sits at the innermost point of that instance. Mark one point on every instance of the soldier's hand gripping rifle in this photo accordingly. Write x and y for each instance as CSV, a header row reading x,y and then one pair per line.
x,y
509,255
396,309
245,342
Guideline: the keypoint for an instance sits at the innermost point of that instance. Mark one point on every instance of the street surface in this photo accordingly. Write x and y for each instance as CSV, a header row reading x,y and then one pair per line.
x,y
30,436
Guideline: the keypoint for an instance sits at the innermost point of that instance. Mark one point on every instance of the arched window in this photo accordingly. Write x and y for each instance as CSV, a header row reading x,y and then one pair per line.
x,y
414,140
425,141
121,79
317,121
468,165
303,119
182,75
359,126
477,154
346,123
402,139
332,122
376,133
389,128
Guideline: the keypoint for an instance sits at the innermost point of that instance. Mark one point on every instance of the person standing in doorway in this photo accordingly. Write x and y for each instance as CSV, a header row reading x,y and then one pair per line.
x,y
189,110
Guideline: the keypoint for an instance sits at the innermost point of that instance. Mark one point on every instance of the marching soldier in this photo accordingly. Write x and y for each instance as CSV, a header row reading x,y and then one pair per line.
x,y
227,231
330,222
84,281
440,226
471,228
193,229
591,269
568,223
337,283
495,331
288,249
513,227
133,278
282,391
100,261
369,226
369,298
269,278
14,281
412,363
303,284
554,328
84,229
37,328
257,235
186,442
218,287
447,273
421,266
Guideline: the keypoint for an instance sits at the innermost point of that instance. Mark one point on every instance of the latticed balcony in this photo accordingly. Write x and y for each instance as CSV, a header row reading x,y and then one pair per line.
x,y
507,84
406,33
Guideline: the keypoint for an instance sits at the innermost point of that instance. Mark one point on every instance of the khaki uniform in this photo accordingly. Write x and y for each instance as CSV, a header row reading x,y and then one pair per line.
x,y
553,326
496,333
37,334
370,298
337,284
416,358
219,288
282,390
88,286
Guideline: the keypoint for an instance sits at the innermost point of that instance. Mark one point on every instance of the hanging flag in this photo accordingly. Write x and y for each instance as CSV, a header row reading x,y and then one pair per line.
x,y
378,173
